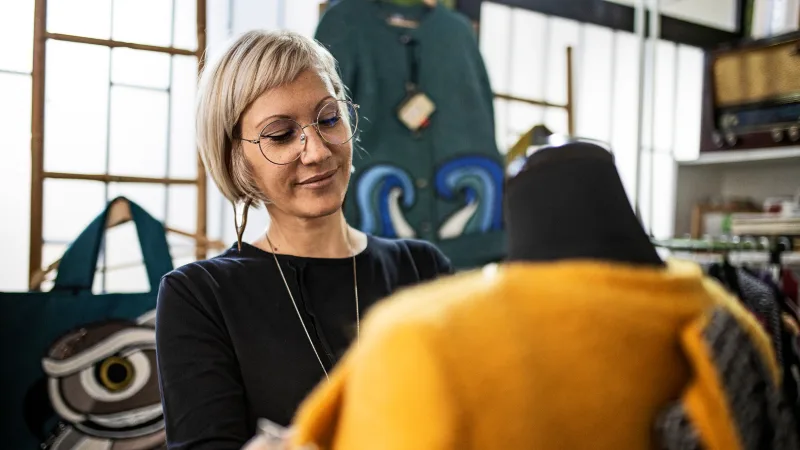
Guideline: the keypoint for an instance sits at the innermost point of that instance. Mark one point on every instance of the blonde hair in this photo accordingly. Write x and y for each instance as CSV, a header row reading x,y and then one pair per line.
x,y
255,63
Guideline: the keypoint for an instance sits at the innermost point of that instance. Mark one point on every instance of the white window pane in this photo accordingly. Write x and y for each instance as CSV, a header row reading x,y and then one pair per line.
x,y
185,24
529,39
594,83
183,152
89,18
51,252
216,209
15,115
140,68
125,271
645,197
301,16
665,77
522,117
131,278
143,21
151,197
181,248
257,223
256,14
505,139
218,15
556,120
563,33
663,201
688,103
139,124
182,212
69,207
16,34
76,107
625,114
495,44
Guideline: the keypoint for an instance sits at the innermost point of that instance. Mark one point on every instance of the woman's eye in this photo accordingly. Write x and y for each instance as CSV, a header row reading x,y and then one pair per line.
x,y
329,122
279,137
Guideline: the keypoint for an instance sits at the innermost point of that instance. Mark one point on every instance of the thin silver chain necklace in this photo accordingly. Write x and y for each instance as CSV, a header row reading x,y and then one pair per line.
x,y
297,310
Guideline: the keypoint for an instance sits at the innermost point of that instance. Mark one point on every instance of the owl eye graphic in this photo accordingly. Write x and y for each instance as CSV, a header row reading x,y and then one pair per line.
x,y
102,382
117,377
115,373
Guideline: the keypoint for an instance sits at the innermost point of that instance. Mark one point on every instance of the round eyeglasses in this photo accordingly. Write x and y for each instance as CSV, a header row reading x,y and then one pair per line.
x,y
282,141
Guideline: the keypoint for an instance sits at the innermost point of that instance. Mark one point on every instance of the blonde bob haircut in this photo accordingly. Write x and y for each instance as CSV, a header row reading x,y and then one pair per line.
x,y
256,62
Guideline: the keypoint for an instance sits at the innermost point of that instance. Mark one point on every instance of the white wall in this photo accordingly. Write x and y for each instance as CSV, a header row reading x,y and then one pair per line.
x,y
719,14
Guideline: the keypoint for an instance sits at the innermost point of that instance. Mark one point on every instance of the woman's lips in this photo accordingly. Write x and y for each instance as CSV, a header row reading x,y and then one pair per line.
x,y
318,181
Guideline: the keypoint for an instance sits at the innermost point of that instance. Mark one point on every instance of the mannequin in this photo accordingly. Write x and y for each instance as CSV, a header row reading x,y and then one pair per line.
x,y
568,202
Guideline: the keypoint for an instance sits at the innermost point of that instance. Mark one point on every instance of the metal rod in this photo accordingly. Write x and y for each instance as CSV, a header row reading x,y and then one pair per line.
x,y
37,140
201,250
119,44
106,187
116,178
528,101
170,97
570,94
612,89
639,25
655,33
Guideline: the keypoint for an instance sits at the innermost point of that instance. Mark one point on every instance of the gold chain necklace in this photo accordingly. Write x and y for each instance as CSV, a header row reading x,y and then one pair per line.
x,y
297,310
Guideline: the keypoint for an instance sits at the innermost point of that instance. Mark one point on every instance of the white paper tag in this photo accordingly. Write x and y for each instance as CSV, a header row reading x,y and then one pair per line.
x,y
416,111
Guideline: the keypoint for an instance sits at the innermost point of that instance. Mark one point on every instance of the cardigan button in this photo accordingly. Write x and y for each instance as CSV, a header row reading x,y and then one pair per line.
x,y
422,183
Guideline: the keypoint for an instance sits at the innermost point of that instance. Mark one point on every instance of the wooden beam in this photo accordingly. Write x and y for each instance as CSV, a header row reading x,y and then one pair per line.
x,y
201,250
37,140
119,44
115,178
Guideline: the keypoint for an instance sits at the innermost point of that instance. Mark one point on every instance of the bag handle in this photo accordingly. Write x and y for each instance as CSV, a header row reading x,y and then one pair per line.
x,y
78,265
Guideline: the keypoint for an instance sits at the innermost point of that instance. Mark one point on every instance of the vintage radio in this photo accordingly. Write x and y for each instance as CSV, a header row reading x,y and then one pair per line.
x,y
752,95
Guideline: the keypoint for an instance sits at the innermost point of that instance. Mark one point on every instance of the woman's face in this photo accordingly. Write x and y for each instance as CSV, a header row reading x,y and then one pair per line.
x,y
314,185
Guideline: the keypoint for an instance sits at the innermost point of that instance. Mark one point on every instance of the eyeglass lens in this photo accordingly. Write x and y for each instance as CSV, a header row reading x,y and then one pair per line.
x,y
281,141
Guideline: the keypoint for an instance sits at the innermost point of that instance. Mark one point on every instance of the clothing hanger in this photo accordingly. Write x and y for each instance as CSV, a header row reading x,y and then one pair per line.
x,y
118,214
398,20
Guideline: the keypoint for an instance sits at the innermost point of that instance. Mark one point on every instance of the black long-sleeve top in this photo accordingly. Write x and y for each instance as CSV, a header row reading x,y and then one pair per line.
x,y
230,345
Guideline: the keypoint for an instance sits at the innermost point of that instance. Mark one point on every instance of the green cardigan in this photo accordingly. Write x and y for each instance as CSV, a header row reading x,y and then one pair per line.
x,y
444,184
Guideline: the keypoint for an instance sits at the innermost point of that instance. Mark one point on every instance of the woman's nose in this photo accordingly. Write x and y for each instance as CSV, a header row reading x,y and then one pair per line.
x,y
315,148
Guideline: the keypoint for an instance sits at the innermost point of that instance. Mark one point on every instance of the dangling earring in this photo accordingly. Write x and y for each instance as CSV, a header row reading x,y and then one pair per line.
x,y
240,231
352,168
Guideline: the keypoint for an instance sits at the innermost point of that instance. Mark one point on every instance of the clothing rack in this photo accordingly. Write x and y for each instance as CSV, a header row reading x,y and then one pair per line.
x,y
772,251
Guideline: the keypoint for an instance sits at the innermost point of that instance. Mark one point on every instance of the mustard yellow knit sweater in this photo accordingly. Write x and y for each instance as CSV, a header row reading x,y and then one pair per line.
x,y
573,355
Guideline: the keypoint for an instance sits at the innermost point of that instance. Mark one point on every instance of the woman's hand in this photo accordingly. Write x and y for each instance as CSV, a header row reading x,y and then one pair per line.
x,y
261,442
270,436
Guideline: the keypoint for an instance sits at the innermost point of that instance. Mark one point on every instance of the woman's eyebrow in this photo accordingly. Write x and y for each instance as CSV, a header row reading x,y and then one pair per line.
x,y
263,122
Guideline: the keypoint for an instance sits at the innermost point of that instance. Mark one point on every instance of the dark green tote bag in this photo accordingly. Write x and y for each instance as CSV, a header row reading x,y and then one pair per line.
x,y
79,369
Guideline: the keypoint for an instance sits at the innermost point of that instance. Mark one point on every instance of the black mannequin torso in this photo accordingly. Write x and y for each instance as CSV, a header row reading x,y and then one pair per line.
x,y
568,202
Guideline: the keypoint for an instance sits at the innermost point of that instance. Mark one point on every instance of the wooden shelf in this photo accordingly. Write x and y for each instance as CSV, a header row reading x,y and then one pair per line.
x,y
745,156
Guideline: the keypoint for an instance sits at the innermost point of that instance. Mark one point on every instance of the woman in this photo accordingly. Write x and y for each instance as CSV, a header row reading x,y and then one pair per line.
x,y
247,334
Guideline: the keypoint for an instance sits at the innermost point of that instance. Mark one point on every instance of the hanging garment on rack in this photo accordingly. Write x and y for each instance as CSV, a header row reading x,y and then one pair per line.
x,y
790,285
444,181
766,301
760,299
